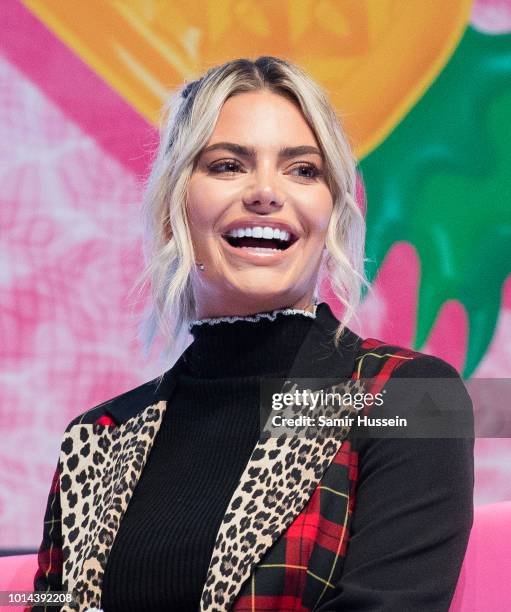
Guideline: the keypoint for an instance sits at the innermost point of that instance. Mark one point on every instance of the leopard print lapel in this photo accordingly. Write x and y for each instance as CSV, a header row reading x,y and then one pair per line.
x,y
278,481
104,465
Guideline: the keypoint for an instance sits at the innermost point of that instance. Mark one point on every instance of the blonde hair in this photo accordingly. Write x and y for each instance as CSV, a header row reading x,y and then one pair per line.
x,y
187,122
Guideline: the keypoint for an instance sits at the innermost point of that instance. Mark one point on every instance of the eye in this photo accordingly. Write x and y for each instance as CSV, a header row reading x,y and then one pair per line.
x,y
225,167
311,170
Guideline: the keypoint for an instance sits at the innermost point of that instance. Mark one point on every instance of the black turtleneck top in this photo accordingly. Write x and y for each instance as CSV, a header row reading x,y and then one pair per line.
x,y
161,554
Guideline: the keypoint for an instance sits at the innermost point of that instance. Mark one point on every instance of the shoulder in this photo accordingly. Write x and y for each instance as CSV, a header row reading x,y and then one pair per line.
x,y
126,405
424,389
409,375
378,358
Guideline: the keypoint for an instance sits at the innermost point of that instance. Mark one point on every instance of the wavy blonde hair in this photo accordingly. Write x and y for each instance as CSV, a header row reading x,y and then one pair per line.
x,y
187,122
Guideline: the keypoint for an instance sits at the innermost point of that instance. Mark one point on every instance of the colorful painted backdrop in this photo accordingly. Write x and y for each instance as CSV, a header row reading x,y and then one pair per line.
x,y
424,90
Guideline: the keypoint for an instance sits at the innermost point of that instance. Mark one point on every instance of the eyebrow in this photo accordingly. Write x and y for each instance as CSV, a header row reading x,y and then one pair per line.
x,y
242,151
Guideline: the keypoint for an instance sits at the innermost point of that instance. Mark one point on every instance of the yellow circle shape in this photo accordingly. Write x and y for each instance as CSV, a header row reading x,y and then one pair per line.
x,y
375,58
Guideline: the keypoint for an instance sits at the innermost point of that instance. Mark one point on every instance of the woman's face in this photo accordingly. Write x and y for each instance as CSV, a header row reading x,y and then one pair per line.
x,y
262,168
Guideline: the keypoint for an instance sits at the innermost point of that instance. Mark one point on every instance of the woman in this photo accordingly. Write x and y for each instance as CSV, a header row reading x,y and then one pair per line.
x,y
167,497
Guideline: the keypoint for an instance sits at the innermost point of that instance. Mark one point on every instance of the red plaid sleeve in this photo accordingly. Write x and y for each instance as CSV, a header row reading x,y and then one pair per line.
x,y
48,576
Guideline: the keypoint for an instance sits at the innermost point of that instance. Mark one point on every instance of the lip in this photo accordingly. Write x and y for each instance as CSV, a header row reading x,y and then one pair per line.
x,y
260,257
259,222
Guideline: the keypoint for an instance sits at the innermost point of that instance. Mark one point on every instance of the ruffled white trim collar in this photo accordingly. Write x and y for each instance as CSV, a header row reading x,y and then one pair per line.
x,y
255,317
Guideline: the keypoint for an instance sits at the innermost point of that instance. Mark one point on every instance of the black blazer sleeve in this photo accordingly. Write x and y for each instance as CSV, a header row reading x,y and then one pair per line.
x,y
412,517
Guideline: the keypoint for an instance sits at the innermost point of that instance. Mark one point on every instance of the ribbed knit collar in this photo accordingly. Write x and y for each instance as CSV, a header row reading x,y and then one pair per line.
x,y
257,345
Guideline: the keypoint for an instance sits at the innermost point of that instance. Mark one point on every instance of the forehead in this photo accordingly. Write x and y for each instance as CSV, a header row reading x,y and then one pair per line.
x,y
262,117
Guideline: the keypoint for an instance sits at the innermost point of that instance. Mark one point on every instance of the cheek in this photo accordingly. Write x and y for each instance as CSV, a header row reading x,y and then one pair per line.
x,y
319,221
200,209
197,218
208,200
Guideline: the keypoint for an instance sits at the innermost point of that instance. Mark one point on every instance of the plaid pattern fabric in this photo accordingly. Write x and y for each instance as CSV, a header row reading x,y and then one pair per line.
x,y
300,570
307,559
49,574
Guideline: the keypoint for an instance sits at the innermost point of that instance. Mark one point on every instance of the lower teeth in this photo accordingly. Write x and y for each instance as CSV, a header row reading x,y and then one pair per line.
x,y
259,248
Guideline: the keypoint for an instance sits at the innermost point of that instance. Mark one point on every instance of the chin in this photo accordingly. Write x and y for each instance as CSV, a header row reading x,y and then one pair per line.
x,y
264,277
265,296
262,285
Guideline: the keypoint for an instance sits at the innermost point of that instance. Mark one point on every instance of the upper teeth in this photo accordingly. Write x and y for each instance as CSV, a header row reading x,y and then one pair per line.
x,y
260,232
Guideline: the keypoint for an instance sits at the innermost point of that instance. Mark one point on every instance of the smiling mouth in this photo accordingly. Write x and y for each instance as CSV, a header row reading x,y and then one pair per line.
x,y
267,244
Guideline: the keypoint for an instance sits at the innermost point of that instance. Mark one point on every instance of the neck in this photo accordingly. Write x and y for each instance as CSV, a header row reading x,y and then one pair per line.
x,y
260,344
255,317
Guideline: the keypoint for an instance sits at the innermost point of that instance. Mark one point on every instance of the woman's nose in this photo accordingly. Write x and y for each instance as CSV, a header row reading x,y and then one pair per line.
x,y
263,193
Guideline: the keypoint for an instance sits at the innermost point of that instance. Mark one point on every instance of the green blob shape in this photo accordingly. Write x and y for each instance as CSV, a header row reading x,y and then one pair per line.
x,y
442,182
